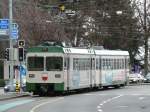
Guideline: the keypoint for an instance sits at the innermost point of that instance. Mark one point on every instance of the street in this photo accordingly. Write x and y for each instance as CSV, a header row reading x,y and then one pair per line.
x,y
1,90
134,98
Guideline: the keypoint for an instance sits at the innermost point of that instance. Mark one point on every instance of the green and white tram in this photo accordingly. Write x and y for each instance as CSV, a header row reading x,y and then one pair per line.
x,y
59,69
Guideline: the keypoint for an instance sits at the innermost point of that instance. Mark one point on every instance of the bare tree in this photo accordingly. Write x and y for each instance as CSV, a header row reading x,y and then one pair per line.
x,y
143,13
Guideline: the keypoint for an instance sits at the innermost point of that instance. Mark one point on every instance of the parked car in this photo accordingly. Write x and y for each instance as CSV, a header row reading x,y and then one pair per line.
x,y
141,78
133,78
147,77
7,87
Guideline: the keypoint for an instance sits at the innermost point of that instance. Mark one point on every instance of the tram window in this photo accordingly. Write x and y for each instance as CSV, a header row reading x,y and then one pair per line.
x,y
123,63
97,64
111,64
100,64
66,63
118,66
54,63
35,63
115,64
120,63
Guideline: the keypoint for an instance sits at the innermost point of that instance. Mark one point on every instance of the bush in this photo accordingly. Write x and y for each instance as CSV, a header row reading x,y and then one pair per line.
x,y
2,82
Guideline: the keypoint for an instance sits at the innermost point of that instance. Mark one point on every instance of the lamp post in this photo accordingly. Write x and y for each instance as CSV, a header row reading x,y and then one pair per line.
x,y
11,44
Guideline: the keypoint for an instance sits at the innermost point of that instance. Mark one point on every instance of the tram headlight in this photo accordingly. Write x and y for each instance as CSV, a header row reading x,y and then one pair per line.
x,y
31,75
57,75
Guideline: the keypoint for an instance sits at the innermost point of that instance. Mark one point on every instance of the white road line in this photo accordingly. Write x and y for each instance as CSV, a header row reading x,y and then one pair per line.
x,y
98,106
106,101
141,98
123,106
44,103
88,94
100,110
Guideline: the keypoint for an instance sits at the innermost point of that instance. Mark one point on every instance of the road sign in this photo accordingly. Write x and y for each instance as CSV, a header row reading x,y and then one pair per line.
x,y
14,33
22,70
4,32
4,23
4,28
14,26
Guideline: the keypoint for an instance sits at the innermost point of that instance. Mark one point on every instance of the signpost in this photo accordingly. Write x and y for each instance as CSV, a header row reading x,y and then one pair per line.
x,y
14,33
4,23
4,28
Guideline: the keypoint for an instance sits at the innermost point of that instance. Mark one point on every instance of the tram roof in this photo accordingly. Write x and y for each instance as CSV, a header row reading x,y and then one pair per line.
x,y
111,52
78,51
56,49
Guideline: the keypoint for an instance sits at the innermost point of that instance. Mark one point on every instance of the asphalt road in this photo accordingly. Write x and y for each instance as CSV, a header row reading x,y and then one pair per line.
x,y
128,99
1,90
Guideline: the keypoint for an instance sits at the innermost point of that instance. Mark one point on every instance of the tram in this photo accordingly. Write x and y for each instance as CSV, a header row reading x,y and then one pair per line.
x,y
61,69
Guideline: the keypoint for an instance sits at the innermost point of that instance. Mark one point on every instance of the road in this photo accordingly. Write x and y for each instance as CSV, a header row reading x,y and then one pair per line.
x,y
1,90
129,99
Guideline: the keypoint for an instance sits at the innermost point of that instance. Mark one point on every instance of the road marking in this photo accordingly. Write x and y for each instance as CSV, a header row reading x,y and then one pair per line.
x,y
106,101
13,104
100,110
88,94
141,98
135,94
122,106
44,103
98,106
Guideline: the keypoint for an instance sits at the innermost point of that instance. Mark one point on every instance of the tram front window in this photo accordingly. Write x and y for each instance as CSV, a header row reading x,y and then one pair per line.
x,y
35,63
54,63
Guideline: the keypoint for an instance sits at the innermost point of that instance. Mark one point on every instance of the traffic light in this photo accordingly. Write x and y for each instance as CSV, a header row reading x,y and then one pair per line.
x,y
21,53
7,54
21,43
62,8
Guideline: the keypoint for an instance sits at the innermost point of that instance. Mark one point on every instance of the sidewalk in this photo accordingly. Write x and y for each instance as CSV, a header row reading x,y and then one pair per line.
x,y
11,95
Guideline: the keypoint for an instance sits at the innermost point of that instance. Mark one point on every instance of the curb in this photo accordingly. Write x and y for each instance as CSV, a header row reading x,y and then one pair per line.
x,y
13,95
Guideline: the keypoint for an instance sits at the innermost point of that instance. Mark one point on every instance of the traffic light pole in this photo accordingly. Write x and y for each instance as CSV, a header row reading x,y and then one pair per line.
x,y
11,44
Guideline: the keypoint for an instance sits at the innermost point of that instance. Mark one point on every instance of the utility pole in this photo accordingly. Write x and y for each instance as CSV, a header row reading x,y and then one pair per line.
x,y
146,39
11,44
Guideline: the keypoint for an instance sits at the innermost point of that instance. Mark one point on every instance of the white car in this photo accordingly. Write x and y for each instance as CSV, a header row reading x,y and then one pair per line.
x,y
133,78
141,78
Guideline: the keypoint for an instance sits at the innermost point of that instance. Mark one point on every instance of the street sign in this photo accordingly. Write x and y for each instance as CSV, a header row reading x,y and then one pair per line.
x,y
4,23
4,32
4,28
22,70
14,33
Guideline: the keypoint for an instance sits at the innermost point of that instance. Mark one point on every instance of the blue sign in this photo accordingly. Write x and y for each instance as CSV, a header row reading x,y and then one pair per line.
x,y
4,23
22,70
14,33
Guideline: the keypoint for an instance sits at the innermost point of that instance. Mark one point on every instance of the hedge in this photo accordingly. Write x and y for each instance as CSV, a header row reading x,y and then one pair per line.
x,y
2,82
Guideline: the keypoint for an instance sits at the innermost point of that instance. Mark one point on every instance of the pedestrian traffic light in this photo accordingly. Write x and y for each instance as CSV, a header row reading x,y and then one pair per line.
x,y
21,43
21,53
7,54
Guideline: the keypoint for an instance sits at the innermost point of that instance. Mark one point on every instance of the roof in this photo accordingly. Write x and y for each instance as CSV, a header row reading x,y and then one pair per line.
x,y
78,51
59,49
53,49
111,52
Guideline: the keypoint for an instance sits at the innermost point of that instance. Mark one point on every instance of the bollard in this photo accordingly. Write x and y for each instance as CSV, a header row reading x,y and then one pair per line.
x,y
17,87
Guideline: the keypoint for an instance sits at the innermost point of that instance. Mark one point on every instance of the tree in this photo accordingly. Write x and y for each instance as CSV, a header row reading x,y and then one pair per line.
x,y
143,13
